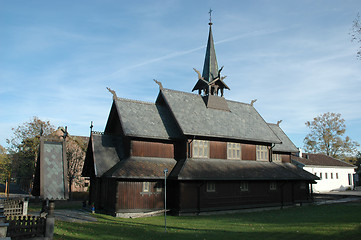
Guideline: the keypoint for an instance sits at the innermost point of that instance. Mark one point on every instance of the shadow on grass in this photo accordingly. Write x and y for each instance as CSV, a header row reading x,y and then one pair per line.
x,y
300,223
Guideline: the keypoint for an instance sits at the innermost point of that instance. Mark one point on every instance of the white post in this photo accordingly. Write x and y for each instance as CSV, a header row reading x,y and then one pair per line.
x,y
165,199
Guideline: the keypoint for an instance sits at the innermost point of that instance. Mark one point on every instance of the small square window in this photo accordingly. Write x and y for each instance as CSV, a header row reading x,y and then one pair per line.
x,y
273,186
233,150
336,175
261,153
200,149
146,186
320,175
211,187
244,186
159,187
276,158
326,175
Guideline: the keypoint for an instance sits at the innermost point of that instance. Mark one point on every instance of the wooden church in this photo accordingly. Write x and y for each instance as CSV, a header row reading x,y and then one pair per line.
x,y
220,154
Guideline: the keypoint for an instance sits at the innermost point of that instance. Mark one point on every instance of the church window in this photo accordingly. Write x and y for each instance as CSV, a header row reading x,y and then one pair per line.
x,y
261,153
244,186
146,186
233,150
211,187
200,149
276,158
273,186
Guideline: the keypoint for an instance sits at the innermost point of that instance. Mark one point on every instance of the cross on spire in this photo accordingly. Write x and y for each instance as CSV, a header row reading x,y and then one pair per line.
x,y
210,16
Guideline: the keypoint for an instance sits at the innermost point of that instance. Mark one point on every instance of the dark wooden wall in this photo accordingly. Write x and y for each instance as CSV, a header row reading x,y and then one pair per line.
x,y
194,197
130,197
152,149
286,158
218,150
248,151
105,194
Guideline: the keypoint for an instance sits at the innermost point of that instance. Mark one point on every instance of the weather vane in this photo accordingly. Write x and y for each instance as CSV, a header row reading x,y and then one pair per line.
x,y
210,16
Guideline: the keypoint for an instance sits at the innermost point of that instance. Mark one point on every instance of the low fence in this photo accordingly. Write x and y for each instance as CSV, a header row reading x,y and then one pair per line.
x,y
18,225
25,227
15,207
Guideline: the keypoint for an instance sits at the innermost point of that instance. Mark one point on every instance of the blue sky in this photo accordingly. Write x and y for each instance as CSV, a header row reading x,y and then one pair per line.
x,y
295,57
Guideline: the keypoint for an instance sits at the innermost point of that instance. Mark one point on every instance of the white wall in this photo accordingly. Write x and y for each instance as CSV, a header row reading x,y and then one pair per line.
x,y
329,184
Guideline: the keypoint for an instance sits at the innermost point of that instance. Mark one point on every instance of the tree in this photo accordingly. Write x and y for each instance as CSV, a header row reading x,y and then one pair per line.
x,y
24,147
5,165
356,33
326,136
75,152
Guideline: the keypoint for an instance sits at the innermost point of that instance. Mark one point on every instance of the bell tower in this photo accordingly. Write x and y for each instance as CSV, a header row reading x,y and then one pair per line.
x,y
211,83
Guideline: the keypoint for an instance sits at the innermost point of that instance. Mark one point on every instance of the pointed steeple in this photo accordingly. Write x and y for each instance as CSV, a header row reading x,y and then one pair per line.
x,y
210,82
210,67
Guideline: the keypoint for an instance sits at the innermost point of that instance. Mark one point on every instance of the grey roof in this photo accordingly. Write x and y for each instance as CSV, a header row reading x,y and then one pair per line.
x,y
142,119
141,167
220,169
107,151
286,145
320,160
243,122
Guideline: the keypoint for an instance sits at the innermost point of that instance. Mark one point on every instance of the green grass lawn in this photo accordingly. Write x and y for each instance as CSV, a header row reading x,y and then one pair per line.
x,y
339,221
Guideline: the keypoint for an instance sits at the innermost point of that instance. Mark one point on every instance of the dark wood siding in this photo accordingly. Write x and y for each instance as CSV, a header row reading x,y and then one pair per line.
x,y
131,198
152,149
248,152
218,150
286,158
228,195
105,194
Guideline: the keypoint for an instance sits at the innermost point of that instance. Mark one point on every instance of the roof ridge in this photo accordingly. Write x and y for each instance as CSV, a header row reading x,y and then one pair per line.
x,y
172,90
194,94
134,101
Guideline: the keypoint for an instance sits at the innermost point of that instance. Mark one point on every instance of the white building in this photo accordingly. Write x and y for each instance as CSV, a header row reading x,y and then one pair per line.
x,y
334,174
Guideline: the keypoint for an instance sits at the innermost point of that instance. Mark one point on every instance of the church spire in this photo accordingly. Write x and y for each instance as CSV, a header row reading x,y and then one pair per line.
x,y
210,81
210,67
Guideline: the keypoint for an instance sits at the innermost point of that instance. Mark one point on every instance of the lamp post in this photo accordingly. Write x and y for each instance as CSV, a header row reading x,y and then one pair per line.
x,y
165,199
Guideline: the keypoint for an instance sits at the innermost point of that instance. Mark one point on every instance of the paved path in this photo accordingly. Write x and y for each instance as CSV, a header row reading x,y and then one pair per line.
x,y
78,216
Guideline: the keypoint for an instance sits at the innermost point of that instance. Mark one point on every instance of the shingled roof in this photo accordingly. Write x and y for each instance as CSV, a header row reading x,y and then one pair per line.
x,y
141,167
286,145
242,122
143,119
104,151
310,159
220,169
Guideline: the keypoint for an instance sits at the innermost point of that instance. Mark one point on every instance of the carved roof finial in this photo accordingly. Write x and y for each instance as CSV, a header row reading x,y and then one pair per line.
x,y
278,122
253,101
113,92
159,83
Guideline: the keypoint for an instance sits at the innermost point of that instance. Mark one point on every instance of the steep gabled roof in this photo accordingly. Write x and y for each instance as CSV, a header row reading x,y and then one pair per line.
x,y
242,122
220,169
286,145
104,151
142,119
322,160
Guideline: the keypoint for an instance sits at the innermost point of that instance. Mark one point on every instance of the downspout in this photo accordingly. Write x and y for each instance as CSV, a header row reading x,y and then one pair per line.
x,y
189,147
270,153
